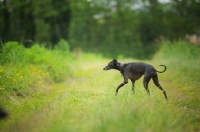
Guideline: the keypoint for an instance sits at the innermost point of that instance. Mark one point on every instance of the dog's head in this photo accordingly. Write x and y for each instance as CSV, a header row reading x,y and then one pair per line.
x,y
111,65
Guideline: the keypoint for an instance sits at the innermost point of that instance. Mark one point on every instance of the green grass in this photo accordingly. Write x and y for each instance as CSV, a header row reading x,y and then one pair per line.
x,y
183,59
26,76
183,62
86,101
89,104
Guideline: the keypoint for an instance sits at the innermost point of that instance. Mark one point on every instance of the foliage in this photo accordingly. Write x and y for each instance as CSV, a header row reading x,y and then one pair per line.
x,y
24,69
38,55
63,46
46,21
13,53
129,28
99,26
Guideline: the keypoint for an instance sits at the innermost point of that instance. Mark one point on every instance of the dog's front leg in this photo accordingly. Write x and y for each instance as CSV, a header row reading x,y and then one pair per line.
x,y
122,84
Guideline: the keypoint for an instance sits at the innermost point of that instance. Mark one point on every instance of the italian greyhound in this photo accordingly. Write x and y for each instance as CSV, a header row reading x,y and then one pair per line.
x,y
134,71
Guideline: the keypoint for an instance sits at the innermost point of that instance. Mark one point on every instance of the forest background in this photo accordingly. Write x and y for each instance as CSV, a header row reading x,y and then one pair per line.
x,y
130,28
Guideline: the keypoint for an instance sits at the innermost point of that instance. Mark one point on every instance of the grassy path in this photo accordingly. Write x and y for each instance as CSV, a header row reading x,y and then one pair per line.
x,y
86,103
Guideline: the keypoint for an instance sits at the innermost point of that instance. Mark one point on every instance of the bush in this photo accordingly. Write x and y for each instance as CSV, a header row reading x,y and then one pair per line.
x,y
24,69
38,55
13,52
54,61
62,46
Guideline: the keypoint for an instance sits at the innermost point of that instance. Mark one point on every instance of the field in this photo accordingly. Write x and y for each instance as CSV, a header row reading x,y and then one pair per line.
x,y
85,101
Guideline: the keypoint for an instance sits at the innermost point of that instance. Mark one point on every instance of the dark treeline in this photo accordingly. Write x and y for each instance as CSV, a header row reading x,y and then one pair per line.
x,y
128,27
28,20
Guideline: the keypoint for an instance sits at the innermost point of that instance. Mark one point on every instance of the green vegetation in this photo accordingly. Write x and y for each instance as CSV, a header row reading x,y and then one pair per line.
x,y
133,26
52,54
26,73
77,95
183,62
183,58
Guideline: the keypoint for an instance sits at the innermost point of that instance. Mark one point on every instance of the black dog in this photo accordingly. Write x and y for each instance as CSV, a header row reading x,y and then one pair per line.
x,y
134,71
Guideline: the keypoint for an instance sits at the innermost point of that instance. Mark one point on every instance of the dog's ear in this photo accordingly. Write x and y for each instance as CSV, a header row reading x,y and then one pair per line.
x,y
115,61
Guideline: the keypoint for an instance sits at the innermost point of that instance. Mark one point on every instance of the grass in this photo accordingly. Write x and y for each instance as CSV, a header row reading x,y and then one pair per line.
x,y
91,106
86,101
26,76
183,61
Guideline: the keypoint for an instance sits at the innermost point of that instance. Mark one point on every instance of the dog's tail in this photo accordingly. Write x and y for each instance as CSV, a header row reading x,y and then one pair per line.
x,y
163,70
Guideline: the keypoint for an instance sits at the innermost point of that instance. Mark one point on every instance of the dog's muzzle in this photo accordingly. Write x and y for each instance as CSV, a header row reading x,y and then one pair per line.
x,y
106,68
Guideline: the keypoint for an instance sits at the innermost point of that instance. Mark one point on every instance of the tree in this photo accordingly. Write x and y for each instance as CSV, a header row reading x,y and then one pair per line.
x,y
5,21
44,21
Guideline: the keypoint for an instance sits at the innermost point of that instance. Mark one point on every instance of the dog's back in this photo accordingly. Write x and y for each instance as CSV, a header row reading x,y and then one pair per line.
x,y
135,70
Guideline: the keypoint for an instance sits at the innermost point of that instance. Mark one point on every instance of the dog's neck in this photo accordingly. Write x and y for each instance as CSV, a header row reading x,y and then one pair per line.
x,y
121,67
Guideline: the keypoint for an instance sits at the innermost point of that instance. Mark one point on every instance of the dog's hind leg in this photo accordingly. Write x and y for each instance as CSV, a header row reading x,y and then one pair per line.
x,y
156,82
133,85
146,82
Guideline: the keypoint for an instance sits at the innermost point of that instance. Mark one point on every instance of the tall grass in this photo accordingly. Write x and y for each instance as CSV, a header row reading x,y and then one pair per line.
x,y
183,63
183,60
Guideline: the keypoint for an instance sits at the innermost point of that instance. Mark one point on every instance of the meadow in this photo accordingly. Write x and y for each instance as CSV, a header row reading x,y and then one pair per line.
x,y
71,92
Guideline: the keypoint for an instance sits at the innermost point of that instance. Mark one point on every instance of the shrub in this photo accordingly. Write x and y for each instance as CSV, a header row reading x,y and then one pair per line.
x,y
25,69
13,52
63,46
38,55
54,61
